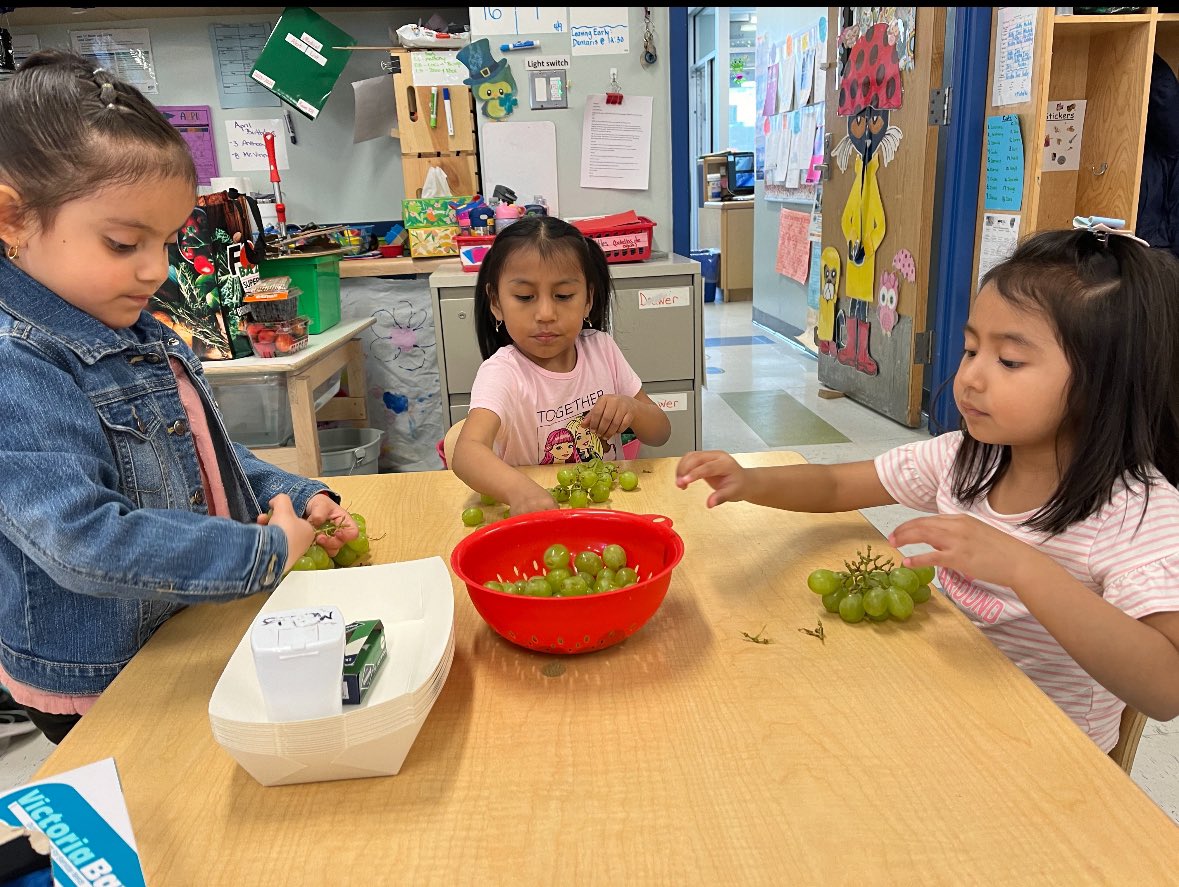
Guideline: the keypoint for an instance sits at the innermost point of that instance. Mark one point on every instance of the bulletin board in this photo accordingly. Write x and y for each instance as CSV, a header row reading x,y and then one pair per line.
x,y
522,156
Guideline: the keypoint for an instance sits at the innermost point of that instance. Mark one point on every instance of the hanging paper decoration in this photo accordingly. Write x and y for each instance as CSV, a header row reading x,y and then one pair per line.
x,y
828,293
903,261
491,81
886,308
900,22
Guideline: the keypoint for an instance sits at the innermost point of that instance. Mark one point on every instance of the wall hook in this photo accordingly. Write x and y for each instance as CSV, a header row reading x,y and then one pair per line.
x,y
1099,171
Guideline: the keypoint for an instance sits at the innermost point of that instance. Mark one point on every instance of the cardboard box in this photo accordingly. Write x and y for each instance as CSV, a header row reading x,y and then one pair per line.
x,y
428,242
364,654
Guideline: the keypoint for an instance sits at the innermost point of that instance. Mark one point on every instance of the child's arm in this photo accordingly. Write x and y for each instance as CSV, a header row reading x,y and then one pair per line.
x,y
811,488
1135,659
614,413
476,463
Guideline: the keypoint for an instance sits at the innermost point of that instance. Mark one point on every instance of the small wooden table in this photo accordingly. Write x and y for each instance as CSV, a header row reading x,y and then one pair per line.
x,y
327,353
883,754
728,224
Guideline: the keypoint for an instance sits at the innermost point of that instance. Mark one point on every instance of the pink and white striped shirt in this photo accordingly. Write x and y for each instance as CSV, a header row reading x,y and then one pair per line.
x,y
1134,567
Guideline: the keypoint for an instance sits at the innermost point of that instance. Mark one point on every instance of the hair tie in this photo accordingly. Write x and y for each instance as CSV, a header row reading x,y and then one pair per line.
x,y
106,93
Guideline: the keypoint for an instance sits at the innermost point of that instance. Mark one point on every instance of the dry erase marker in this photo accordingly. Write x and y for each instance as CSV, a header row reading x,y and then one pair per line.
x,y
519,44
290,128
433,107
446,107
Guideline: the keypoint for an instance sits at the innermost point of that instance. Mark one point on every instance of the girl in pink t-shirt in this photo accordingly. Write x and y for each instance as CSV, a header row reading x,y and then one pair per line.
x,y
1056,527
553,386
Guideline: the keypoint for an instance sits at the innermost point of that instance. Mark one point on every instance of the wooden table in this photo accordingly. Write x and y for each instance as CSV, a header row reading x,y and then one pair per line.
x,y
326,354
893,753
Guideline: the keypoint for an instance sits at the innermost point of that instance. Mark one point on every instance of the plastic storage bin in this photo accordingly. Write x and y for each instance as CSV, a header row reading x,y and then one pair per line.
x,y
256,410
709,260
318,279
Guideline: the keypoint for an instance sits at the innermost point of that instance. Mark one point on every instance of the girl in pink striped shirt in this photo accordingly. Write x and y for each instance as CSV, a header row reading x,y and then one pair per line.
x,y
1056,518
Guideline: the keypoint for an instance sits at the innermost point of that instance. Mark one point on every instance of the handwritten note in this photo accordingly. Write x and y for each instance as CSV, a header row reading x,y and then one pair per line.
x,y
195,125
1015,40
492,20
1004,188
794,247
599,30
247,151
1000,234
666,297
1062,135
436,69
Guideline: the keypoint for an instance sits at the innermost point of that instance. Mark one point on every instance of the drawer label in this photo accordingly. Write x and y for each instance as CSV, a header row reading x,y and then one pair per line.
x,y
666,297
676,402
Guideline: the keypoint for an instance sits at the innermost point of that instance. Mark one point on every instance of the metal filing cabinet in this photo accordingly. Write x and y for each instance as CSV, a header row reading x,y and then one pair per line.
x,y
658,323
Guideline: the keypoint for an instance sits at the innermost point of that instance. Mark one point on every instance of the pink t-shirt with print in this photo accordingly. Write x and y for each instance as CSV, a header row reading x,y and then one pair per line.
x,y
1133,566
540,412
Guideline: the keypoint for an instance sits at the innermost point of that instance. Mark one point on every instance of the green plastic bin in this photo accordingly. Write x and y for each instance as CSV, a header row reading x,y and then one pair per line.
x,y
318,277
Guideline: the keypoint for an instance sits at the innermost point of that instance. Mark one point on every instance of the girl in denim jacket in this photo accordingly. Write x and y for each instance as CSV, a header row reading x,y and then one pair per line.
x,y
122,498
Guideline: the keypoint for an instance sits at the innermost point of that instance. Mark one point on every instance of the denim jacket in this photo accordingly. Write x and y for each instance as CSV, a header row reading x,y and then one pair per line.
x,y
104,530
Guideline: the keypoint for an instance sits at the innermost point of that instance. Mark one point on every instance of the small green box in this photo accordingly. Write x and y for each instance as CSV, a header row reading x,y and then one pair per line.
x,y
318,278
364,654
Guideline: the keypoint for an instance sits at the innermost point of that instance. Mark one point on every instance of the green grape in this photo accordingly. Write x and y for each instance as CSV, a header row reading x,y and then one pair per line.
x,y
360,522
567,476
360,545
519,587
904,579
507,512
606,479
574,586
560,494
880,577
556,578
921,594
876,601
925,575
346,557
614,556
883,618
831,601
472,517
628,480
608,574
319,557
588,477
537,586
494,586
900,604
603,583
556,555
485,499
822,582
851,608
578,498
588,562
600,492
625,576
589,578
304,563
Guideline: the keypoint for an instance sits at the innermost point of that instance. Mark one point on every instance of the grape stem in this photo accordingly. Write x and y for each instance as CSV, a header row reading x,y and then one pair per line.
x,y
757,638
858,571
816,632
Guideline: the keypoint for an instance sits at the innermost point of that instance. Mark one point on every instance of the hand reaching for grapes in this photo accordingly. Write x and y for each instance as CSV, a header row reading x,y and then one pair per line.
x,y
299,532
719,470
611,415
322,510
968,546
532,498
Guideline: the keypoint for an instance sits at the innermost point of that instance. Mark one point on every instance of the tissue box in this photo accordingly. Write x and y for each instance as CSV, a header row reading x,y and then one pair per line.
x,y
431,212
427,242
364,654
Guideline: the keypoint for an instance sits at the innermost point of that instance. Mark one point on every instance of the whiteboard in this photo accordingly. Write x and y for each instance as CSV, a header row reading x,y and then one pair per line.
x,y
520,156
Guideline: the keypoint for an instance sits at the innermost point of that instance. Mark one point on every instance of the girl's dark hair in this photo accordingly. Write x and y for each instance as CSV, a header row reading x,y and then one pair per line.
x,y
550,237
1115,309
68,131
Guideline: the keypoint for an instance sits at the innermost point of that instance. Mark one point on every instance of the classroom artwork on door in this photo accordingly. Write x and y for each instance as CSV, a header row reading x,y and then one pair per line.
x,y
870,88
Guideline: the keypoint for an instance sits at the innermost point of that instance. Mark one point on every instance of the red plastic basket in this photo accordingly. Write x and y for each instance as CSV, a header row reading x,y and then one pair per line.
x,y
472,248
623,237
568,624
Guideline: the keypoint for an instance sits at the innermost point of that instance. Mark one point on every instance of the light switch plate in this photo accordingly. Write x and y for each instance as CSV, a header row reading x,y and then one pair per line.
x,y
548,90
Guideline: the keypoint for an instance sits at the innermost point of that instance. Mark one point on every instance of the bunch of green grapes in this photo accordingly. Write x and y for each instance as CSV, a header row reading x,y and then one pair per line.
x,y
572,575
351,553
872,587
591,482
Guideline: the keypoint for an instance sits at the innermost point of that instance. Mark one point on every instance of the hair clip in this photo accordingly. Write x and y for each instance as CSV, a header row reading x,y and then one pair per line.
x,y
1101,227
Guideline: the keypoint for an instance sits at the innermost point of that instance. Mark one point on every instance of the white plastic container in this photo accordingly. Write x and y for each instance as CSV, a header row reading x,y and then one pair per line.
x,y
299,655
714,185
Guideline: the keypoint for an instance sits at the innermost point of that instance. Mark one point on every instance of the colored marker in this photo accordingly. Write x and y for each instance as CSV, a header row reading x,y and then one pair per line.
x,y
519,44
446,107
433,107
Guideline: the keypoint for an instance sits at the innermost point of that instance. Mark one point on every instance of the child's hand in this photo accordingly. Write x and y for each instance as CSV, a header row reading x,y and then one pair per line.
x,y
968,546
300,534
719,470
536,499
322,509
611,415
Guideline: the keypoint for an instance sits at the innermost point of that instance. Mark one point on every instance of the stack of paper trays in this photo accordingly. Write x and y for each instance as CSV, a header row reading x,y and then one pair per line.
x,y
415,600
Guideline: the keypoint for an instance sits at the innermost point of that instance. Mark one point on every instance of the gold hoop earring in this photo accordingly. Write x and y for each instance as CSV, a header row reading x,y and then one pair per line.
x,y
13,252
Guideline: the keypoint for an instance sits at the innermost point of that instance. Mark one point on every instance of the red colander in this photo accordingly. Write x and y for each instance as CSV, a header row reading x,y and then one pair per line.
x,y
510,548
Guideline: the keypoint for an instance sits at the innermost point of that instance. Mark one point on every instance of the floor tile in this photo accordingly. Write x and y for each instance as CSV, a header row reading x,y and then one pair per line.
x,y
780,420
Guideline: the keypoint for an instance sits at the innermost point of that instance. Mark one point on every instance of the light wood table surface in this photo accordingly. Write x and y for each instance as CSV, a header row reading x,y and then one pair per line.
x,y
885,754
338,348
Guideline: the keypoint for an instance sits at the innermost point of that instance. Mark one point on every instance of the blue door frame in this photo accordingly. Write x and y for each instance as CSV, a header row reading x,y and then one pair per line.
x,y
681,168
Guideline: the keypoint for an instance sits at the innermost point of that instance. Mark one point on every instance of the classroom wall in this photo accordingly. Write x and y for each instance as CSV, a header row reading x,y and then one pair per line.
x,y
330,179
779,302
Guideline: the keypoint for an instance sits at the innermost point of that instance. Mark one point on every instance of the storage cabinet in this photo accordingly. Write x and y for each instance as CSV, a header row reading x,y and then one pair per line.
x,y
657,323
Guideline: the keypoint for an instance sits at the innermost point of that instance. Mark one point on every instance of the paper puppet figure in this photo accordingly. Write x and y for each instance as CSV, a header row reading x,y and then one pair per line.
x,y
886,310
491,81
828,293
869,91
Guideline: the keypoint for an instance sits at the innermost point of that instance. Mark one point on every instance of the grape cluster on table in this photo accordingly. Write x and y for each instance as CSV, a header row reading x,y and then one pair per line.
x,y
351,553
872,588
577,486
